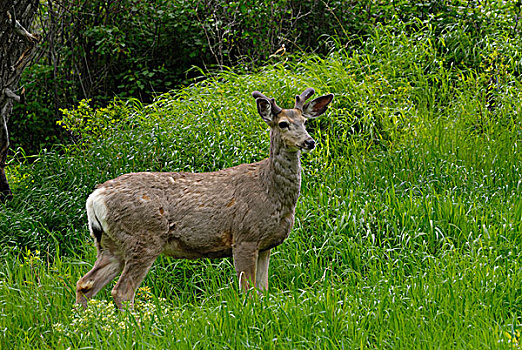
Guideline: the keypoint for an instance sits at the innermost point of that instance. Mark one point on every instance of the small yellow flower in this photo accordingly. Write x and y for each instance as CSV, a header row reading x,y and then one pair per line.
x,y
514,338
144,292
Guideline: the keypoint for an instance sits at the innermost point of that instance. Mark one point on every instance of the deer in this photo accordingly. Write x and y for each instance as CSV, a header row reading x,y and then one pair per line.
x,y
241,212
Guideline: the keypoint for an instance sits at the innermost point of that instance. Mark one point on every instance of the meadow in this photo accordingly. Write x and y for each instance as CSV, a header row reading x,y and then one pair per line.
x,y
408,229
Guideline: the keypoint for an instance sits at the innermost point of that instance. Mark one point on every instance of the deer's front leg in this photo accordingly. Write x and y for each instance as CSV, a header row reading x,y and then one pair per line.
x,y
245,256
262,269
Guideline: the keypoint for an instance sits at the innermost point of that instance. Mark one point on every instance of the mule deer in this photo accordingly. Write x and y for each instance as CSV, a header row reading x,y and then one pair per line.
x,y
243,211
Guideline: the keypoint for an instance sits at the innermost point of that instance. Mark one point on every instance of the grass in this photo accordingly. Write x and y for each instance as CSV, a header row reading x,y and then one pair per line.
x,y
454,300
408,228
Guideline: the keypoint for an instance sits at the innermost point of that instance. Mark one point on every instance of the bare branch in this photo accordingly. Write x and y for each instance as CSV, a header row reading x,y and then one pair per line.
x,y
22,32
9,93
20,64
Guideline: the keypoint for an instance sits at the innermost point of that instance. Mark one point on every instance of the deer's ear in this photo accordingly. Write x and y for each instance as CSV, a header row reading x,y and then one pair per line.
x,y
316,107
264,107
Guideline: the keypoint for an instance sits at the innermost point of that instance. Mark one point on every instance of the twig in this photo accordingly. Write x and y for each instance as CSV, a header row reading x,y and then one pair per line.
x,y
9,93
21,31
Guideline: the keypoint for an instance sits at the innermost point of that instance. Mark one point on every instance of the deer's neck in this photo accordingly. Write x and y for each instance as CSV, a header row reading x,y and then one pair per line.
x,y
283,175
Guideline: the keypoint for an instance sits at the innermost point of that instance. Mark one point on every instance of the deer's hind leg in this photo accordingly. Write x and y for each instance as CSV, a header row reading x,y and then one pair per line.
x,y
133,274
106,267
138,261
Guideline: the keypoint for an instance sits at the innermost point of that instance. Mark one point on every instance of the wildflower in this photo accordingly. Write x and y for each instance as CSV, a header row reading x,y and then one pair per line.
x,y
514,338
102,316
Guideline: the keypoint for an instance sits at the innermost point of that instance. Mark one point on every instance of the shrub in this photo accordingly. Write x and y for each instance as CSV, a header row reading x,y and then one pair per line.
x,y
132,48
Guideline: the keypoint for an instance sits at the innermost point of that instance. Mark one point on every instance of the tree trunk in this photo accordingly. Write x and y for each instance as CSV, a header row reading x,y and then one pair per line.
x,y
17,47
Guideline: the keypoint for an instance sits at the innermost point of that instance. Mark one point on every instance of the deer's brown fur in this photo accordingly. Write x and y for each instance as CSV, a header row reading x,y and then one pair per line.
x,y
242,211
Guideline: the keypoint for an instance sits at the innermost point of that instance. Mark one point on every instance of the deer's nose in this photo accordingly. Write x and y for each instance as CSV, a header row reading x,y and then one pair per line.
x,y
310,144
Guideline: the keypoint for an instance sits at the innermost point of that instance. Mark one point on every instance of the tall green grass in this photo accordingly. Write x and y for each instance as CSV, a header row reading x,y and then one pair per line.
x,y
407,234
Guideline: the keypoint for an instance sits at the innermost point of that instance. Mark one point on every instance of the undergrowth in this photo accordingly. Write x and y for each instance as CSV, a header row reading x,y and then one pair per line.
x,y
408,228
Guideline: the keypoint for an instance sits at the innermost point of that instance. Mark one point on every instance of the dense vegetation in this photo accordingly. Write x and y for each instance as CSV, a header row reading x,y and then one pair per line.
x,y
99,49
408,229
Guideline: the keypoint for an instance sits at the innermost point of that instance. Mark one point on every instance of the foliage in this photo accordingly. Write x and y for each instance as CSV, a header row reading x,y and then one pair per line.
x,y
87,125
384,97
98,50
407,230
395,299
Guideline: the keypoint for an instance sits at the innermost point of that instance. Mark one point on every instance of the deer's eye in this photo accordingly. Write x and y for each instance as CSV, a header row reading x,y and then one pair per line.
x,y
283,125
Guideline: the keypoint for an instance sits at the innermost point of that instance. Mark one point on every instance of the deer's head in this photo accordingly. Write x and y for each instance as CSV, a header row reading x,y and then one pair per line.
x,y
289,124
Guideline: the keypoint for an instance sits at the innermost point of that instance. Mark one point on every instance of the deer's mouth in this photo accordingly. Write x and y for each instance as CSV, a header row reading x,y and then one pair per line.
x,y
307,145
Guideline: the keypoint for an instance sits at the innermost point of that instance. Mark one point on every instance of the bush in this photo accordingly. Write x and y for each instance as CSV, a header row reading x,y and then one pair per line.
x,y
132,48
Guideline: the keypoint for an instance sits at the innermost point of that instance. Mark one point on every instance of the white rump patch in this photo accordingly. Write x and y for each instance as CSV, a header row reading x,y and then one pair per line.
x,y
97,211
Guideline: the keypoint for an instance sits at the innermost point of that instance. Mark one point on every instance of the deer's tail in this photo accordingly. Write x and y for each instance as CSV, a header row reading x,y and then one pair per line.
x,y
96,214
